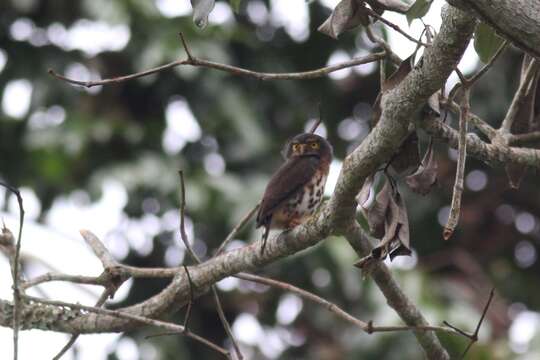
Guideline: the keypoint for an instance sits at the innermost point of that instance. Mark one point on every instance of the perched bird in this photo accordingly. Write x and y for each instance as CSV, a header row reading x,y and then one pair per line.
x,y
296,189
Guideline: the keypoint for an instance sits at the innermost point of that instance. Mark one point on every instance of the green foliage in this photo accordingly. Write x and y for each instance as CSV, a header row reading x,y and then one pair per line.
x,y
486,42
418,9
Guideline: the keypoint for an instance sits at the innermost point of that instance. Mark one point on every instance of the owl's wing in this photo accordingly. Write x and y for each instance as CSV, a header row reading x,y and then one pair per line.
x,y
288,179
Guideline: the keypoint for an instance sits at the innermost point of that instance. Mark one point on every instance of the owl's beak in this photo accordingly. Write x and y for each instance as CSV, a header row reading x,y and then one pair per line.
x,y
303,148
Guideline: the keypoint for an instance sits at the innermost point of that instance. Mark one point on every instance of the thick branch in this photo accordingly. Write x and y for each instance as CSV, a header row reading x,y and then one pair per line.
x,y
492,154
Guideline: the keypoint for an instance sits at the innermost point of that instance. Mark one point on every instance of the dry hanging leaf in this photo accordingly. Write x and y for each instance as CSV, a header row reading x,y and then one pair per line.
x,y
347,14
397,77
396,240
425,176
201,10
365,196
524,119
407,156
376,215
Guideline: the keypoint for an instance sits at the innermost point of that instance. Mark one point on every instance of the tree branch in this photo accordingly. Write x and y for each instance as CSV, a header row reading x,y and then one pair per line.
x,y
193,61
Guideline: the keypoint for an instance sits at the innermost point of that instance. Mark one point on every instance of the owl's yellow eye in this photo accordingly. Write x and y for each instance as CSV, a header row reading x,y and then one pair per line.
x,y
314,145
296,147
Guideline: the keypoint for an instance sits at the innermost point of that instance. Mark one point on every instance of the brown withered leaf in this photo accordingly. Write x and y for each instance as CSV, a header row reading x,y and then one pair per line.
x,y
407,157
523,121
397,77
396,240
347,14
425,176
376,214
401,244
365,194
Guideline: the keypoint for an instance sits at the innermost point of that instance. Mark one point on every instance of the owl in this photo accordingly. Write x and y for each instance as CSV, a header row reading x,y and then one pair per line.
x,y
296,189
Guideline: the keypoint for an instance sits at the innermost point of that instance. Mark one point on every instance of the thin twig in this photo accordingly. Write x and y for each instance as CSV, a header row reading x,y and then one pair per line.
x,y
455,208
475,120
489,64
51,276
194,256
237,228
474,336
367,327
15,271
395,27
521,139
191,298
315,125
523,88
124,315
383,44
312,74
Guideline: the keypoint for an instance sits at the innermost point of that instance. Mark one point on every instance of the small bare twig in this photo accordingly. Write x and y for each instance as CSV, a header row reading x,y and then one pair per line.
x,y
474,336
455,208
367,327
237,228
194,256
99,249
395,27
489,64
194,61
383,44
191,298
123,315
16,271
524,86
475,120
522,139
315,125
52,276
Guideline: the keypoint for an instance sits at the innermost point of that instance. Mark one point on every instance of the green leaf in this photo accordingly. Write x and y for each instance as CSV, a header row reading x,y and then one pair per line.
x,y
486,42
235,4
418,10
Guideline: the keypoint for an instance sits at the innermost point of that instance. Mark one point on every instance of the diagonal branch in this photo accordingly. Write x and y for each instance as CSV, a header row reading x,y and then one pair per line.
x,y
367,327
521,93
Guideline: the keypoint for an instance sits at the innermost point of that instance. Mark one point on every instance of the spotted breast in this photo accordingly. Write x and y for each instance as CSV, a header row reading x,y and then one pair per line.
x,y
301,206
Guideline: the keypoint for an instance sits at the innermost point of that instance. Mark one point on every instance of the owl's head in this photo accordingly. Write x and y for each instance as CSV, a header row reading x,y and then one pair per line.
x,y
308,144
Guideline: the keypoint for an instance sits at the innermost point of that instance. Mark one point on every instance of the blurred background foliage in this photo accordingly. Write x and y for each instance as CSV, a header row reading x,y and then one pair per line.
x,y
123,145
